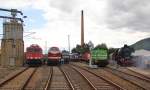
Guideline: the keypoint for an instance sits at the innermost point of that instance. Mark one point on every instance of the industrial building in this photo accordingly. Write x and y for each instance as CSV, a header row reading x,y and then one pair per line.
x,y
12,44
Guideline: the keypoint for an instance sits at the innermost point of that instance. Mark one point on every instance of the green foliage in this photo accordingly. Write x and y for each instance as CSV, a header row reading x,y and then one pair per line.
x,y
111,50
80,50
103,45
85,48
74,50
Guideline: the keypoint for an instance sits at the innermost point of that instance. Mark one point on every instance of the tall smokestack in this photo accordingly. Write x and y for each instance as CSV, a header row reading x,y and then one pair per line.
x,y
82,28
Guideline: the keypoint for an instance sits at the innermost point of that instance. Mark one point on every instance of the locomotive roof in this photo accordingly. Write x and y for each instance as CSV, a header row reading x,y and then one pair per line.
x,y
34,46
54,48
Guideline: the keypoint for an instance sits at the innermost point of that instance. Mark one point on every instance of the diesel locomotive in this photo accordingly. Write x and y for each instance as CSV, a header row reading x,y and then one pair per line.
x,y
54,56
99,56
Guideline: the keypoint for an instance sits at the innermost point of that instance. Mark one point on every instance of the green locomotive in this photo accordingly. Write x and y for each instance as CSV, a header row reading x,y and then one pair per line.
x,y
100,56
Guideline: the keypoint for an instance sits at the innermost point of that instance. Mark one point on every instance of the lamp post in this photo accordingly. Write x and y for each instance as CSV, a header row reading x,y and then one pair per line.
x,y
91,46
69,43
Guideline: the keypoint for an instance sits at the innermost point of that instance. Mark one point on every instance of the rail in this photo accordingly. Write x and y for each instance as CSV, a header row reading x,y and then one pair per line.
x,y
12,77
108,68
90,83
68,79
101,77
146,77
27,81
49,79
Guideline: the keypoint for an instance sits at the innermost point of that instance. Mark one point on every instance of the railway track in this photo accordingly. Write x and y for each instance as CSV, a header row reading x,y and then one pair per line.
x,y
58,80
131,72
4,72
38,79
76,77
132,77
18,81
139,74
123,83
98,83
78,81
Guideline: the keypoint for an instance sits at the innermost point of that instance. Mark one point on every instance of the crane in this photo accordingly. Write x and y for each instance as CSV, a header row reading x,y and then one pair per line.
x,y
13,13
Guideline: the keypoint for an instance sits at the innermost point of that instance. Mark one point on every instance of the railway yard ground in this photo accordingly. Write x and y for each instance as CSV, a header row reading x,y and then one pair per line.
x,y
74,76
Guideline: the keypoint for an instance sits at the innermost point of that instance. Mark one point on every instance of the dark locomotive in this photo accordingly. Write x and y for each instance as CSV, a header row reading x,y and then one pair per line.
x,y
123,56
66,56
75,57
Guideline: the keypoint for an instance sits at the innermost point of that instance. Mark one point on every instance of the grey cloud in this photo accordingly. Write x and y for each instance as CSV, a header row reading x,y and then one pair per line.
x,y
132,14
64,5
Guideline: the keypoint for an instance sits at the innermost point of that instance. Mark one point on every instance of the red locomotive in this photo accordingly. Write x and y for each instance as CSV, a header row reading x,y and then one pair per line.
x,y
54,56
86,56
34,55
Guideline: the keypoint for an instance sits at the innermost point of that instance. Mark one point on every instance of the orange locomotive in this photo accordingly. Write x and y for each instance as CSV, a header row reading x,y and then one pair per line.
x,y
54,56
34,55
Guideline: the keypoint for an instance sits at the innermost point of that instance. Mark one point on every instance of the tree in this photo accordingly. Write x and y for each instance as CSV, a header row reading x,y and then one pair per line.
x,y
81,50
111,50
86,48
103,45
74,50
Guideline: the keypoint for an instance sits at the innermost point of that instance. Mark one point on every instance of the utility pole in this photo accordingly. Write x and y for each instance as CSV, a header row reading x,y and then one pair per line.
x,y
45,47
82,28
13,14
69,43
91,46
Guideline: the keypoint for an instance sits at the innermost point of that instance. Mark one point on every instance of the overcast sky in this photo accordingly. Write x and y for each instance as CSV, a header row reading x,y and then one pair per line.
x,y
114,22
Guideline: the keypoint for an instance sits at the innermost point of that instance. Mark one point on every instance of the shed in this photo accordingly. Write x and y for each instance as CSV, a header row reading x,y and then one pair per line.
x,y
141,52
142,58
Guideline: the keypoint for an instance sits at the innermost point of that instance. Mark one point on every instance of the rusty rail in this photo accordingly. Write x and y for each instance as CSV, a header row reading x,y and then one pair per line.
x,y
68,79
101,77
12,77
49,79
27,81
